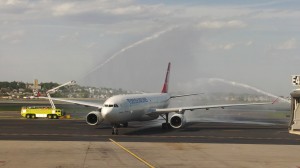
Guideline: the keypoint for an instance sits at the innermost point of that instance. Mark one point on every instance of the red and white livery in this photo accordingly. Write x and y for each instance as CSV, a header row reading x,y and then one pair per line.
x,y
121,109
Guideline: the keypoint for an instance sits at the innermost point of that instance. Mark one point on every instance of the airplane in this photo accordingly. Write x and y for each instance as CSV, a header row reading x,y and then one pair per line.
x,y
122,109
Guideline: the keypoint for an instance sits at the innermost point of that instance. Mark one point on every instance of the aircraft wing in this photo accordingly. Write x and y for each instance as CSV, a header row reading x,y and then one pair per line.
x,y
175,96
84,103
207,107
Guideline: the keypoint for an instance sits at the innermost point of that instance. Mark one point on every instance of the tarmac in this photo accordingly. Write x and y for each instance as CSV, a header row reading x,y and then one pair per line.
x,y
72,143
87,154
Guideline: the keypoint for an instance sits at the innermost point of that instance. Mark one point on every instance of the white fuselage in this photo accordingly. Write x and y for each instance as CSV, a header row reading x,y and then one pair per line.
x,y
133,107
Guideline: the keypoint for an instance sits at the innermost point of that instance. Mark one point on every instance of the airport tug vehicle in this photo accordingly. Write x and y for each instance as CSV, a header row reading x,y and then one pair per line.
x,y
294,125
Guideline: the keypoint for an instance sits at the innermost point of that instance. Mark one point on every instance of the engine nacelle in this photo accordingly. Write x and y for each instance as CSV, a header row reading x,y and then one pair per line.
x,y
94,118
177,121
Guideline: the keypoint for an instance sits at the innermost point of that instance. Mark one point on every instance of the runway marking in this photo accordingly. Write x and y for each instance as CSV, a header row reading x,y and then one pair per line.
x,y
67,128
9,112
7,117
281,132
150,136
232,130
137,157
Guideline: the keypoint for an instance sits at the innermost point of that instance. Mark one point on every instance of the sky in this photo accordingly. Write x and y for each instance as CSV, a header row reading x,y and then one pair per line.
x,y
128,43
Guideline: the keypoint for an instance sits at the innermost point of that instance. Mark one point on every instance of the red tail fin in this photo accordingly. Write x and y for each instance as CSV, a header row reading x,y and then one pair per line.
x,y
166,84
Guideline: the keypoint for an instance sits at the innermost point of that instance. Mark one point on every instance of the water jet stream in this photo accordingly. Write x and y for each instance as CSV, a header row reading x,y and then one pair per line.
x,y
153,36
247,87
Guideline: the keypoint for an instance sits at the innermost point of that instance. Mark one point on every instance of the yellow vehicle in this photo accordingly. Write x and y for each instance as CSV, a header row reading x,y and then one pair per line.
x,y
41,112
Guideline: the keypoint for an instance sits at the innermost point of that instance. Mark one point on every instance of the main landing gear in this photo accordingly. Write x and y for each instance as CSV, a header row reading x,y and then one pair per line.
x,y
166,125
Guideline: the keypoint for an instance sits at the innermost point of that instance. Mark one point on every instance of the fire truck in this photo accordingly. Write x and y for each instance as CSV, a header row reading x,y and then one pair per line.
x,y
50,112
41,112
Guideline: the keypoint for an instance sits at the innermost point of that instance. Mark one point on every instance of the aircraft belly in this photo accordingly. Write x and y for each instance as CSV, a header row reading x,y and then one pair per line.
x,y
138,112
123,116
147,118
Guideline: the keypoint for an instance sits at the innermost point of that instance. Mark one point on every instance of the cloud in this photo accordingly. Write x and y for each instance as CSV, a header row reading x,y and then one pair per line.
x,y
225,46
12,2
126,10
221,24
276,14
90,45
249,43
63,9
13,37
104,8
72,36
288,45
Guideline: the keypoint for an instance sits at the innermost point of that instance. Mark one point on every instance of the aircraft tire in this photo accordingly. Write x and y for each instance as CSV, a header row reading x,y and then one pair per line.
x,y
163,125
169,126
125,125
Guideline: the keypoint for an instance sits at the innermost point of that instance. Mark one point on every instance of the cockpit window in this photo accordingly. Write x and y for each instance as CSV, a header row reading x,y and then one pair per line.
x,y
111,105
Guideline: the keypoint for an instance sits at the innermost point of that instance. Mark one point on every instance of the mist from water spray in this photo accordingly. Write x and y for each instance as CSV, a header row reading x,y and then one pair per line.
x,y
247,87
154,36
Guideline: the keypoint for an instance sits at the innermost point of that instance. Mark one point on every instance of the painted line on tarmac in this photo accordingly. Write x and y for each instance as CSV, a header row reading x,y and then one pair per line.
x,y
2,117
232,130
11,118
9,111
151,136
134,155
39,119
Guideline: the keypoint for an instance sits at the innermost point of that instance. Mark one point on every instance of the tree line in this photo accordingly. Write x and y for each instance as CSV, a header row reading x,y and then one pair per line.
x,y
21,85
13,85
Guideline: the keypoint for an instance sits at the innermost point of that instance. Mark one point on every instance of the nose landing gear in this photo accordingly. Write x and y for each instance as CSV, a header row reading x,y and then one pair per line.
x,y
115,130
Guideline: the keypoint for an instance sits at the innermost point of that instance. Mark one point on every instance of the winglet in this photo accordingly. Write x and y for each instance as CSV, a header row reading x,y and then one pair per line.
x,y
166,84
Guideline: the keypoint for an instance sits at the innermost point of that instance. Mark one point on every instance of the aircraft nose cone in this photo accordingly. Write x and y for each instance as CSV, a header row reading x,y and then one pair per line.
x,y
107,114
104,112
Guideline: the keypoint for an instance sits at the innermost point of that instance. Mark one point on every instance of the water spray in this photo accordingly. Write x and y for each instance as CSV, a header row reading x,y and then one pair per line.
x,y
247,87
153,36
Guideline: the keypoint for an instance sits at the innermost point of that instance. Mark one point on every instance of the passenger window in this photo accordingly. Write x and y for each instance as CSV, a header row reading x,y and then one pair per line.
x,y
115,105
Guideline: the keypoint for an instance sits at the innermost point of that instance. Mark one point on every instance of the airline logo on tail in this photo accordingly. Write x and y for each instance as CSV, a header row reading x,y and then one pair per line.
x,y
166,84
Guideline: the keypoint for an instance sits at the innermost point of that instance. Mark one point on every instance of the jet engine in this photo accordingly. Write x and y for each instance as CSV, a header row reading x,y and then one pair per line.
x,y
94,118
177,121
